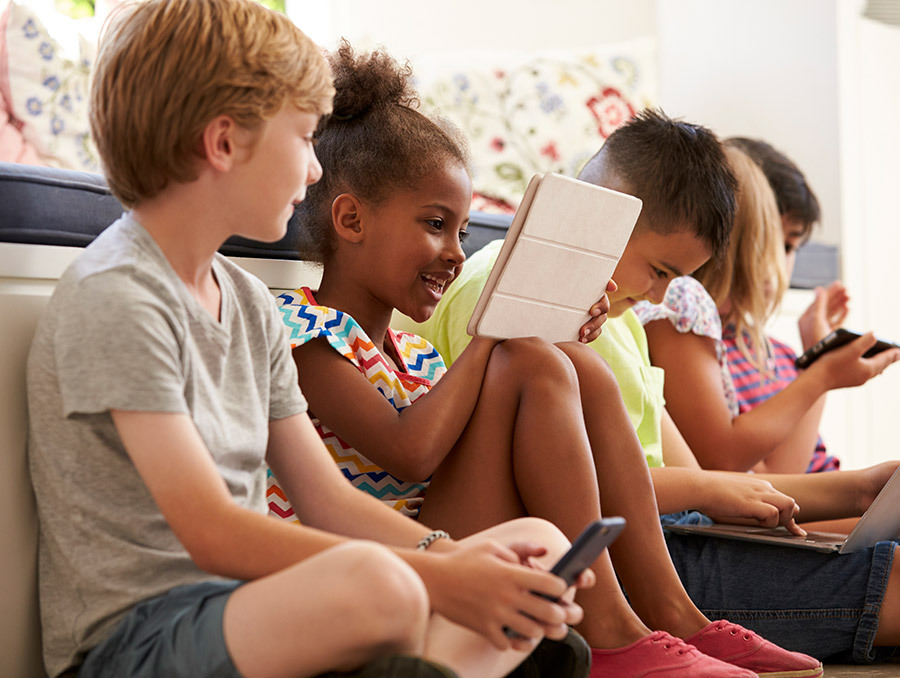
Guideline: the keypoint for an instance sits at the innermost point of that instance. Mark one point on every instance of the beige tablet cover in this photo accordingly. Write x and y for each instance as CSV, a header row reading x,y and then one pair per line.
x,y
559,254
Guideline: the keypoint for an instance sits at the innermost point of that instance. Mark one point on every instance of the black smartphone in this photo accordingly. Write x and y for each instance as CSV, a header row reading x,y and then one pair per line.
x,y
836,339
586,548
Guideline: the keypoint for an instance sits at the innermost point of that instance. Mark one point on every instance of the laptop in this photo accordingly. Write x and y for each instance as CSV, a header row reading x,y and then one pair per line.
x,y
880,523
558,255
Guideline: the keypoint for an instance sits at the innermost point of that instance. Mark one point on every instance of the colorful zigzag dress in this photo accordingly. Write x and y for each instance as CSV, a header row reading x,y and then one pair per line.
x,y
423,364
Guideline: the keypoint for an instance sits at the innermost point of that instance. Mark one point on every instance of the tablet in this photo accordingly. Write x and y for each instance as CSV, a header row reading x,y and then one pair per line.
x,y
558,256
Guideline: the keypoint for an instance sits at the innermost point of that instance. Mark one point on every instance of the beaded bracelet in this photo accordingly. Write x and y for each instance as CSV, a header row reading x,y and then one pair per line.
x,y
430,538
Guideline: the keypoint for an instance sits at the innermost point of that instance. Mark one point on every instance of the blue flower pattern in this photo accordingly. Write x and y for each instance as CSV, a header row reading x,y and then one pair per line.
x,y
549,101
64,85
30,29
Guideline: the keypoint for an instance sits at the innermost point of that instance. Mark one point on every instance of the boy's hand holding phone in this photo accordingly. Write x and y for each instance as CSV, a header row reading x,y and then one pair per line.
x,y
485,587
573,566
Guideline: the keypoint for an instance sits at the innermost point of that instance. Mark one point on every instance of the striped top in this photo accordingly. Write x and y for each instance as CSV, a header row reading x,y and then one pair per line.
x,y
754,387
423,366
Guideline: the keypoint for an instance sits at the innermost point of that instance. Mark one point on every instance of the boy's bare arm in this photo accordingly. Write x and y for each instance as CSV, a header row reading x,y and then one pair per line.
x,y
221,537
682,485
409,444
321,496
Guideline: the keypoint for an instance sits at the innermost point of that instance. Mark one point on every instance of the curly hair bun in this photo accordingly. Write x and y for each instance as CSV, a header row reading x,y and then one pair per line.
x,y
367,82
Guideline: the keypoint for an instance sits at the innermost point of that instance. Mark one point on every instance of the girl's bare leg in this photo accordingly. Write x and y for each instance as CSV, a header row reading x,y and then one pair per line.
x,y
640,555
526,452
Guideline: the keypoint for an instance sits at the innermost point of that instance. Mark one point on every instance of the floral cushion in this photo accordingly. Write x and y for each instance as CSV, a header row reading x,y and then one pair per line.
x,y
528,112
13,147
46,91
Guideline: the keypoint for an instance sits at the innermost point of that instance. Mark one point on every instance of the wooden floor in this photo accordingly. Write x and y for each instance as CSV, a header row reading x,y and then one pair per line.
x,y
875,671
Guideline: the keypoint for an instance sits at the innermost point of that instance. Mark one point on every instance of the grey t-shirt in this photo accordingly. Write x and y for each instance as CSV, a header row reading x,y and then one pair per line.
x,y
121,331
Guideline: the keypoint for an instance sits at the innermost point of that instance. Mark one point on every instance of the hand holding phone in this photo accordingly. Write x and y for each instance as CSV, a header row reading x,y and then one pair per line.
x,y
840,337
586,548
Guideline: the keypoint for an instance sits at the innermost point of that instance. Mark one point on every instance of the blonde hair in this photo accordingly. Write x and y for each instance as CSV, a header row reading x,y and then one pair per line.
x,y
751,279
166,68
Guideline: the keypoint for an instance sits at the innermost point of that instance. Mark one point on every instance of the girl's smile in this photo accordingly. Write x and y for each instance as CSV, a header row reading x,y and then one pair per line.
x,y
400,252
414,244
437,283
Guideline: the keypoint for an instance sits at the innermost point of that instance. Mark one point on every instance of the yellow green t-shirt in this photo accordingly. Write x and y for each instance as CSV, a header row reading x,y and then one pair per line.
x,y
623,344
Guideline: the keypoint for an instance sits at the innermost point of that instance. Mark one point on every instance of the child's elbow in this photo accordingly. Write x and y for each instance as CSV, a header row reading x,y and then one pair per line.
x,y
206,560
413,463
208,550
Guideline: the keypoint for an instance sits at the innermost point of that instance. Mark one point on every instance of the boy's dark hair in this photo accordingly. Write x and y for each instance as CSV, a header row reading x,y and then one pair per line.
x,y
796,199
677,169
373,141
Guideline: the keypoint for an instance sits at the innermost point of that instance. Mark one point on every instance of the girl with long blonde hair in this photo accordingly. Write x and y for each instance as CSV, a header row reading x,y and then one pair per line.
x,y
734,392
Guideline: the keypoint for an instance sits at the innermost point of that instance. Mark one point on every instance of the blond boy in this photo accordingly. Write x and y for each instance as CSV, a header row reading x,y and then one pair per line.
x,y
160,385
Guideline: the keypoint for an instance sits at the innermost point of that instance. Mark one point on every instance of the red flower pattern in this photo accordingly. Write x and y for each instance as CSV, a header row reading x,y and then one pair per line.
x,y
551,151
610,109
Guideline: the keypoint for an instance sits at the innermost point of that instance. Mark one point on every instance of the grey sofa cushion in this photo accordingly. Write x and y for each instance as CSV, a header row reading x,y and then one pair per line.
x,y
49,206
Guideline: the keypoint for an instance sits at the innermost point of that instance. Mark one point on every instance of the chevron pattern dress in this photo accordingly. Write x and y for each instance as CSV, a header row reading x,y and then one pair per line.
x,y
423,367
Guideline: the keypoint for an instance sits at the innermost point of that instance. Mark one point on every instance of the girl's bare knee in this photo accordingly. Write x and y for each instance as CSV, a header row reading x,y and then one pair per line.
x,y
585,357
534,357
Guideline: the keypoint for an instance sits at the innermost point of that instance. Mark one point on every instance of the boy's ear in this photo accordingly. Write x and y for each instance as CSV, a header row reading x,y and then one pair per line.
x,y
218,142
346,216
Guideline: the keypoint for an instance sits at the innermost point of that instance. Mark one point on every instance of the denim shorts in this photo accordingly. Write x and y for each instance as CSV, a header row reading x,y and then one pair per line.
x,y
177,635
823,604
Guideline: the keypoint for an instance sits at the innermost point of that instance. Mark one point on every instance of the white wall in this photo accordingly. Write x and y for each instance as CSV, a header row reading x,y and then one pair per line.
x,y
767,69
411,27
870,175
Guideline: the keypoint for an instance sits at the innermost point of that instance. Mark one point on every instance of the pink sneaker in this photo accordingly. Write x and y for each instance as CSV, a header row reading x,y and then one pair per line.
x,y
660,655
739,646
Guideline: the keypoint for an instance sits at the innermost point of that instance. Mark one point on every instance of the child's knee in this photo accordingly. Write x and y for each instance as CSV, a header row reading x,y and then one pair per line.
x,y
538,530
534,357
382,593
585,358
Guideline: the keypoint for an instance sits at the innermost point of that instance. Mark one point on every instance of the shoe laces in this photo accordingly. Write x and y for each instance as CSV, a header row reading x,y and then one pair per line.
x,y
733,629
671,642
